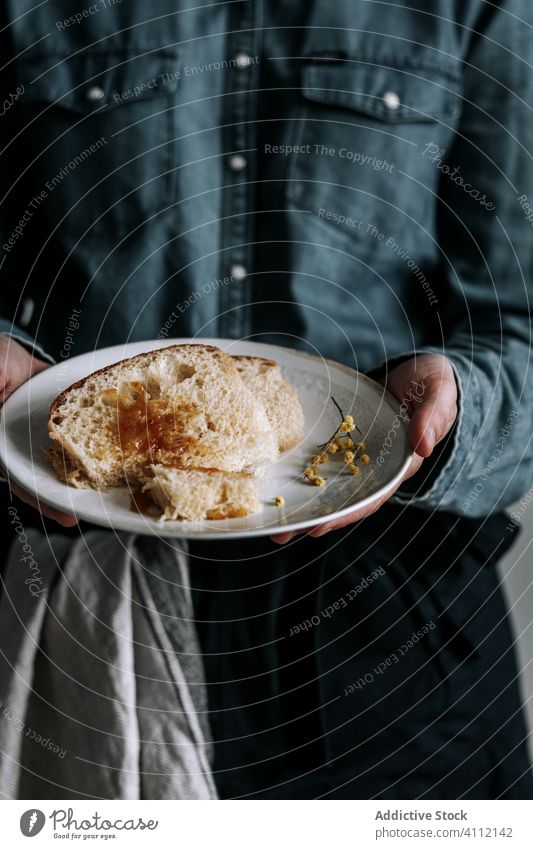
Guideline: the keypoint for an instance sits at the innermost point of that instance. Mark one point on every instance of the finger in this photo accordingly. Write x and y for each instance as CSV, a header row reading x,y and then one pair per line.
x,y
63,519
358,515
349,519
355,516
434,417
16,366
281,539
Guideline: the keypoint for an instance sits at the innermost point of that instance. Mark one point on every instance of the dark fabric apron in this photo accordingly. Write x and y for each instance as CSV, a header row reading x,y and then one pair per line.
x,y
324,681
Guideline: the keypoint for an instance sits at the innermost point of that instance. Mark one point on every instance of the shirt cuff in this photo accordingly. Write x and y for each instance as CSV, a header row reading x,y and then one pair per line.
x,y
27,342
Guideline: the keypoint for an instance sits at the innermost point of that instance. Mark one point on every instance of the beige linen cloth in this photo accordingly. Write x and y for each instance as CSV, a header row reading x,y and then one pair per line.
x,y
101,683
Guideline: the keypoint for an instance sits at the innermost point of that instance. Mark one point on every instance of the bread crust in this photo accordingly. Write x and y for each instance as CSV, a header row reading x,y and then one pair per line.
x,y
56,403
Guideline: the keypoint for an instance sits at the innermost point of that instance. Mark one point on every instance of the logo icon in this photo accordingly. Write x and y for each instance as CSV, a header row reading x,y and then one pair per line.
x,y
32,822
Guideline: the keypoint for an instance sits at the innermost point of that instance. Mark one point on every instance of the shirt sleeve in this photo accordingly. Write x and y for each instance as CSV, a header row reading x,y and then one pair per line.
x,y
8,329
9,95
485,227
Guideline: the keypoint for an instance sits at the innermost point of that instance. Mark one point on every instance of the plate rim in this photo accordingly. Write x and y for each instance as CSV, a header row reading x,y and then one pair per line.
x,y
154,526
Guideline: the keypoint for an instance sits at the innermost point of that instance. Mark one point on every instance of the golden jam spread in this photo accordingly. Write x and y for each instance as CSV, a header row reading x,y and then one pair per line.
x,y
151,425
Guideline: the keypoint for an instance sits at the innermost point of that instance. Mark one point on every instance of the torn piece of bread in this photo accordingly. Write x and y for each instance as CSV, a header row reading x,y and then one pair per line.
x,y
190,424
183,406
203,493
279,398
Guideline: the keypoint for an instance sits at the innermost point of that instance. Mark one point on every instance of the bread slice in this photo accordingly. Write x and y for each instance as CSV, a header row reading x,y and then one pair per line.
x,y
202,494
184,406
211,494
279,398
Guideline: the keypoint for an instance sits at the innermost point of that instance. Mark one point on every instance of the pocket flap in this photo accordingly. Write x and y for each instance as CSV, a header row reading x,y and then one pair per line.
x,y
393,94
97,80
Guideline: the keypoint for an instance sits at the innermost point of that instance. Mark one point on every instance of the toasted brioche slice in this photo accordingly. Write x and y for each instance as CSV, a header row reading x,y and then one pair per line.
x,y
183,406
202,493
279,398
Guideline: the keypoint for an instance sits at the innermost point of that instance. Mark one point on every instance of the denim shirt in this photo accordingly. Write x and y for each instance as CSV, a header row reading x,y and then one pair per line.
x,y
352,178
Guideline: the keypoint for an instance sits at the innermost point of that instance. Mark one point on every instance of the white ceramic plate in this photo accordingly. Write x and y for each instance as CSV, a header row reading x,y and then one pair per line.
x,y
23,436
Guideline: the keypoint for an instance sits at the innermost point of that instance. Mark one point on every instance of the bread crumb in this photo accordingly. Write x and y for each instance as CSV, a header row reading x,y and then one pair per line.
x,y
279,501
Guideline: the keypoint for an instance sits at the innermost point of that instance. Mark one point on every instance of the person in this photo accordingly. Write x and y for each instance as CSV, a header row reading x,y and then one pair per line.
x,y
352,180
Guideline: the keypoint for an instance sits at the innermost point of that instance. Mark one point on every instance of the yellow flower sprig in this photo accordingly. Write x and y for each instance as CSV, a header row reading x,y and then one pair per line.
x,y
341,441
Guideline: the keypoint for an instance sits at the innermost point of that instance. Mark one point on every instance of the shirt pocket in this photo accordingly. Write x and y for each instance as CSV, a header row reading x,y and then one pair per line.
x,y
98,137
365,140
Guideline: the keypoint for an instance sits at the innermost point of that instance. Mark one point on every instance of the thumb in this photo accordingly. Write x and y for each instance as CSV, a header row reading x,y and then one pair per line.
x,y
436,413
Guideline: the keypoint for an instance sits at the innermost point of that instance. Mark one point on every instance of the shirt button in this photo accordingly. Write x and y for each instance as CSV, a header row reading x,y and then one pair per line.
x,y
237,162
28,305
94,94
242,60
238,272
391,100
